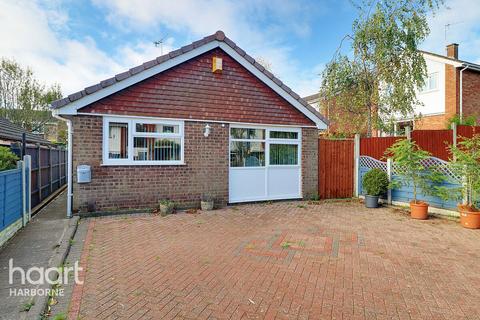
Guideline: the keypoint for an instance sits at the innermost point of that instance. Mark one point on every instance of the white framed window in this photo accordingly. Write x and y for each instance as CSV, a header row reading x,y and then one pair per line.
x,y
264,147
431,83
135,141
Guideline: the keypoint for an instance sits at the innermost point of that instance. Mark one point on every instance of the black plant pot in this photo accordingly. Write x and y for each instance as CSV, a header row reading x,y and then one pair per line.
x,y
371,201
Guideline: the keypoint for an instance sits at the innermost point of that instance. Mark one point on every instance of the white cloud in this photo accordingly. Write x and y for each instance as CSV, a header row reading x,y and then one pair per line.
x,y
35,36
463,15
239,20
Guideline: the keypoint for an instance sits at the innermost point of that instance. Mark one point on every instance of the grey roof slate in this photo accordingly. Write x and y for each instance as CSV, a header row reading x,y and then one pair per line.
x,y
11,131
219,35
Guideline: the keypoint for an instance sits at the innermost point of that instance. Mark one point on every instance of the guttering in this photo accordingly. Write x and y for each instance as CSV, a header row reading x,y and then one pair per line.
x,y
69,163
461,92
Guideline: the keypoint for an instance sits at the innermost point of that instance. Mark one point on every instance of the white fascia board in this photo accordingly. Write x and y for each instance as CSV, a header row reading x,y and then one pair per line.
x,y
71,109
269,82
441,60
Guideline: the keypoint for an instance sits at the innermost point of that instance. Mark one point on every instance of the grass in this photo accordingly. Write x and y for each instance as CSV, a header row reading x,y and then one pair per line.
x,y
27,306
287,244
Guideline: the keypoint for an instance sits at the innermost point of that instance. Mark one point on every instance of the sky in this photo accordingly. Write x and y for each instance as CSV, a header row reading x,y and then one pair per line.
x,y
77,43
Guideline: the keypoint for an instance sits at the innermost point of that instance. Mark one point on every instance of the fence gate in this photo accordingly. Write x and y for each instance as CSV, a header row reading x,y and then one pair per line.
x,y
335,168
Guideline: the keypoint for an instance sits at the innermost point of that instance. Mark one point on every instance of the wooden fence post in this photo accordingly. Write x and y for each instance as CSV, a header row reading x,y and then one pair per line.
x,y
389,174
39,173
50,168
356,155
27,159
408,133
24,194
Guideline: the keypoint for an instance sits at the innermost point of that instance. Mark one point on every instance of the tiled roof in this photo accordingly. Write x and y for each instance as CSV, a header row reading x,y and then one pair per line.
x,y
218,36
11,131
470,64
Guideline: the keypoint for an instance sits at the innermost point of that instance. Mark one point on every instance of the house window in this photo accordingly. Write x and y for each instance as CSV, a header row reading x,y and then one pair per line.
x,y
136,142
252,147
431,83
117,140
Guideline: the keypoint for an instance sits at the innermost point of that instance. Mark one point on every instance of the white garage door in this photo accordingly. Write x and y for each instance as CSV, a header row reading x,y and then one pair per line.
x,y
265,163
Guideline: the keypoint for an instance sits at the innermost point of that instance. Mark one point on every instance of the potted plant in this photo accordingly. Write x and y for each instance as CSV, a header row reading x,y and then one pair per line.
x,y
166,207
411,167
206,202
466,164
375,183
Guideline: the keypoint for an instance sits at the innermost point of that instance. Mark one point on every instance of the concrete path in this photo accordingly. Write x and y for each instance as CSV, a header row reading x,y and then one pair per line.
x,y
44,242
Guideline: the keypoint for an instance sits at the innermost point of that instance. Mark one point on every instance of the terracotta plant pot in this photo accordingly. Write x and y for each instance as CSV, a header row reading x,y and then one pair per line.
x,y
469,217
419,210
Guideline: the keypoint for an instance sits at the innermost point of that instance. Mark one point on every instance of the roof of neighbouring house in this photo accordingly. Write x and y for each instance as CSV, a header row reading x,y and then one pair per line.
x,y
219,36
11,131
462,62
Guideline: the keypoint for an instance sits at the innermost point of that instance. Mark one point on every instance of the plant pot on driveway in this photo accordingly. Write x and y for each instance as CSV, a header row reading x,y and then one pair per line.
x,y
469,217
375,183
206,205
166,207
419,210
371,201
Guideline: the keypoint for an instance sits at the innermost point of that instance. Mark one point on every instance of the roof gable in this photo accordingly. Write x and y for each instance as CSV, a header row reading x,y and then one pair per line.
x,y
70,104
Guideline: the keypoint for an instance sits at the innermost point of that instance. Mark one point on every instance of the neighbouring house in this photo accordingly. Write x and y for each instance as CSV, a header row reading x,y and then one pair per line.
x,y
11,133
452,89
206,119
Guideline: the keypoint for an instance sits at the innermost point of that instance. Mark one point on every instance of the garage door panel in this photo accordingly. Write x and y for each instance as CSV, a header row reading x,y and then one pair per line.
x,y
283,182
247,184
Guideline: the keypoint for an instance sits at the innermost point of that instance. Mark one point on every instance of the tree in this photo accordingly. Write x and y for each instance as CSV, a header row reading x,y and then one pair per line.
x,y
23,99
379,77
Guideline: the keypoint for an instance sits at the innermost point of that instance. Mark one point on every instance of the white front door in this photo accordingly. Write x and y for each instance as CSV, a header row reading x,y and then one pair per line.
x,y
265,163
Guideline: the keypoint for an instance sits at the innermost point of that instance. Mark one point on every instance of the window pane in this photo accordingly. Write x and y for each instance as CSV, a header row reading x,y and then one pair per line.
x,y
247,154
117,140
283,154
283,135
157,128
156,149
433,81
244,133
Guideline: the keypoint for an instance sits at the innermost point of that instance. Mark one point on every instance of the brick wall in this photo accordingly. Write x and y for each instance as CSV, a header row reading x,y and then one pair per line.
x,y
206,168
121,187
309,161
452,102
471,94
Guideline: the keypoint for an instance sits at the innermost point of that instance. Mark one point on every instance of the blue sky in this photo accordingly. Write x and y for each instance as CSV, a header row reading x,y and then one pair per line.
x,y
78,43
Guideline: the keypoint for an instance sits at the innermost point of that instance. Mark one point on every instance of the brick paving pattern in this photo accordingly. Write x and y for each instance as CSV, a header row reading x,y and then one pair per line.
x,y
288,260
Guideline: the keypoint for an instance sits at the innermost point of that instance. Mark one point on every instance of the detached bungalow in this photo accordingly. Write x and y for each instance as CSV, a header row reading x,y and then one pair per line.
x,y
206,119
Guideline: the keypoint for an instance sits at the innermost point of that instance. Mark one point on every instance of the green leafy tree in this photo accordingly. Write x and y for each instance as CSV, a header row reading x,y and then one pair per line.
x,y
8,160
411,166
379,76
23,99
466,121
465,163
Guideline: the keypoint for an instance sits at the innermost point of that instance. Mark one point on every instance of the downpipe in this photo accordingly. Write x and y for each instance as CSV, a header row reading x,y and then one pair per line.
x,y
69,163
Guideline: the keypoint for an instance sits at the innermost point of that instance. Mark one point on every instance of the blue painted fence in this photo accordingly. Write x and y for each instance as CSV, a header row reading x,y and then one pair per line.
x,y
11,197
405,193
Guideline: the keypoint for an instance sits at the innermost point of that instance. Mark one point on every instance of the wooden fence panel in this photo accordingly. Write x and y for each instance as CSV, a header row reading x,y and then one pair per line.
x,y
48,170
375,147
434,141
335,168
467,131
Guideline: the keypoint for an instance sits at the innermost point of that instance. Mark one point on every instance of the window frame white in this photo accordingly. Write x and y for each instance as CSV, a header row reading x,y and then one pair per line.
x,y
426,88
132,134
268,141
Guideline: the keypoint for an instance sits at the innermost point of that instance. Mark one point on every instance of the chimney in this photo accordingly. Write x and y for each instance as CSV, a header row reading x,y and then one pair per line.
x,y
452,50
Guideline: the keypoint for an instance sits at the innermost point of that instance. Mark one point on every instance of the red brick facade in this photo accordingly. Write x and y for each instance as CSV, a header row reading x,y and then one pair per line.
x,y
471,94
114,187
205,170
192,91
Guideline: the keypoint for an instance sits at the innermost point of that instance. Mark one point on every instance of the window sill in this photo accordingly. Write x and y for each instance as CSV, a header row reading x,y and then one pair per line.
x,y
140,164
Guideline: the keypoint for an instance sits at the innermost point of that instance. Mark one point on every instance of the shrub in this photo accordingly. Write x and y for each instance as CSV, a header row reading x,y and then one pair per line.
x,y
375,182
8,160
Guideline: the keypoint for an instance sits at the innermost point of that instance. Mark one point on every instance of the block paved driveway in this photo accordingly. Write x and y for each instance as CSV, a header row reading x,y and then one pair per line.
x,y
287,260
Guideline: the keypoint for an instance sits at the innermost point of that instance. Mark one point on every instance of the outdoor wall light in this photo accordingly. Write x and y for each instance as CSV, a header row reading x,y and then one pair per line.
x,y
206,131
